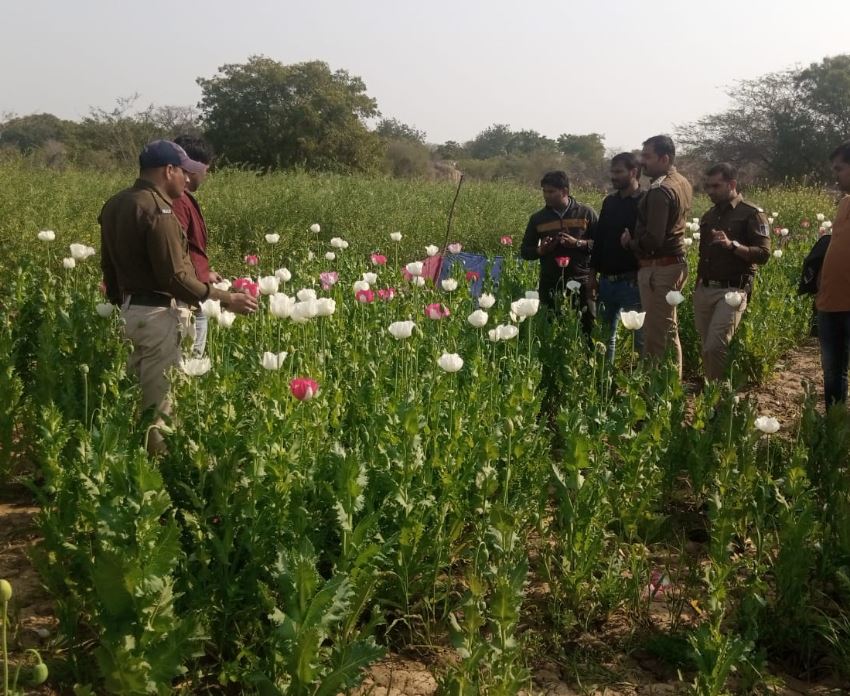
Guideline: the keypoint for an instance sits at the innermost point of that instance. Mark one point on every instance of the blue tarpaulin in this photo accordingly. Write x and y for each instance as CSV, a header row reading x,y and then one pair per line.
x,y
472,262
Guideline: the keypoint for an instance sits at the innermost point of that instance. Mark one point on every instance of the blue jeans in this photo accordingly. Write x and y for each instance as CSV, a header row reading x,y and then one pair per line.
x,y
616,296
834,337
200,334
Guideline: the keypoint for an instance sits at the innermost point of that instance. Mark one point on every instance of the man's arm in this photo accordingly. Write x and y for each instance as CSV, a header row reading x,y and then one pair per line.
x,y
658,205
171,264
528,249
758,240
110,273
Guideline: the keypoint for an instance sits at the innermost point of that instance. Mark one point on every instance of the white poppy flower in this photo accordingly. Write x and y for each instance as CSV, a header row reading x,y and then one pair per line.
x,y
195,367
478,318
283,275
450,362
632,320
733,298
767,424
674,298
268,285
325,307
211,308
401,329
104,309
395,236
315,228
273,361
431,250
526,307
281,305
226,319
306,294
449,285
486,300
272,238
414,268
47,235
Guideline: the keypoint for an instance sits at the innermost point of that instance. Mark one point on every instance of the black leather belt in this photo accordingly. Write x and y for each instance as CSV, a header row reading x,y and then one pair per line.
x,y
148,299
737,283
631,276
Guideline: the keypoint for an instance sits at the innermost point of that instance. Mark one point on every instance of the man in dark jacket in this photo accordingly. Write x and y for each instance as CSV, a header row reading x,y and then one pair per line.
x,y
560,236
617,287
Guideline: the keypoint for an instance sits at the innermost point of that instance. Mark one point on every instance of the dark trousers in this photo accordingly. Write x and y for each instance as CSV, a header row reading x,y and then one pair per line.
x,y
616,296
834,337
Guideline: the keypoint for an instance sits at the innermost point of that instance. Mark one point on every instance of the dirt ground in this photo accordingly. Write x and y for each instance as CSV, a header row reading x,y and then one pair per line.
x,y
615,673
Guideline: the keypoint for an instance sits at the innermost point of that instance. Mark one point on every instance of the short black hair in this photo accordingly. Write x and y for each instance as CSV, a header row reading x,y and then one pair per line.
x,y
557,178
196,147
842,151
662,145
628,159
726,170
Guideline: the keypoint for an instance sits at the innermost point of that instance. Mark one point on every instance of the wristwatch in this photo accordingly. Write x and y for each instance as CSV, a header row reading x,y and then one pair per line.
x,y
735,245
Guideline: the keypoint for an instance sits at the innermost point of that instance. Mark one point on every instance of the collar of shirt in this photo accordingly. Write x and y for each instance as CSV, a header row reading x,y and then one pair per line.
x,y
733,203
570,203
150,186
634,194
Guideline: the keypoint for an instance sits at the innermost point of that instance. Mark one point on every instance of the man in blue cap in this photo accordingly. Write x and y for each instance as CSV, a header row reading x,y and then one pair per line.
x,y
147,268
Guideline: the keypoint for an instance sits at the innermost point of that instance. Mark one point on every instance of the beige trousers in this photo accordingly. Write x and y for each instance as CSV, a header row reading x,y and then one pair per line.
x,y
155,333
716,324
661,325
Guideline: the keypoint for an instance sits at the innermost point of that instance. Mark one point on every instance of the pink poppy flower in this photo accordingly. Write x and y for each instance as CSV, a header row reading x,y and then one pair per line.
x,y
252,259
379,259
562,261
386,294
507,240
328,279
365,296
436,311
472,276
304,388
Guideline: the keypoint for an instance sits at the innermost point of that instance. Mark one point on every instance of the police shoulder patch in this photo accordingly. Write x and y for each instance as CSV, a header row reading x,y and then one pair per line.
x,y
763,229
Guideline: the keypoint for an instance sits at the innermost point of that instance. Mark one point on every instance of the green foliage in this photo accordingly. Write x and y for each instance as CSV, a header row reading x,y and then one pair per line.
x,y
265,114
782,126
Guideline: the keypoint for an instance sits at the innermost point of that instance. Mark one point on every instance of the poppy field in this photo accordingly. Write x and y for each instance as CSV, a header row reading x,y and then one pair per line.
x,y
376,463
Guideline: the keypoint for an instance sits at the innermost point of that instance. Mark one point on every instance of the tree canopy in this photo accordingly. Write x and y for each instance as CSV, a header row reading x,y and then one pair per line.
x,y
267,114
780,126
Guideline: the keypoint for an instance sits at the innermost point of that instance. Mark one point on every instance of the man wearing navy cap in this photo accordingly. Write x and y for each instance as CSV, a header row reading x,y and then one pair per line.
x,y
146,268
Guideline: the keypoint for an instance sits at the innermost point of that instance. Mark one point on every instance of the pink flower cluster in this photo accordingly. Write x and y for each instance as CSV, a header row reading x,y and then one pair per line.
x,y
247,286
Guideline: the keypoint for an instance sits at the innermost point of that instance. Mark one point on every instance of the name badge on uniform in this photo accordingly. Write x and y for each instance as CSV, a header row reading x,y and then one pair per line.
x,y
167,211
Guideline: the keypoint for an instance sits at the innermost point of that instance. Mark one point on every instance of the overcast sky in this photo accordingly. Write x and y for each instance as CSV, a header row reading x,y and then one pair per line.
x,y
624,69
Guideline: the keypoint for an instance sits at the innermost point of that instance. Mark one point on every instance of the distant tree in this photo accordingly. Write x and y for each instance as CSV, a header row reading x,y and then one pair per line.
x,y
450,150
407,158
588,149
28,133
393,129
491,142
780,126
268,114
526,142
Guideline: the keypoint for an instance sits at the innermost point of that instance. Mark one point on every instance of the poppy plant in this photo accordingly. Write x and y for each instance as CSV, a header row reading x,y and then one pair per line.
x,y
303,388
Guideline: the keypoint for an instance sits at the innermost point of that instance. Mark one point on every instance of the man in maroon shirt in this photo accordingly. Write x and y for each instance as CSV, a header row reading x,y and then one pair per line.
x,y
188,212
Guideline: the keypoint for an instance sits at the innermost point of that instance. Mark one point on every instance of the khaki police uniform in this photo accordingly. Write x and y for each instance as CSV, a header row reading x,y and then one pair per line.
x,y
146,268
658,244
721,271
